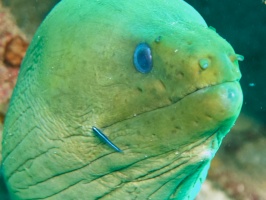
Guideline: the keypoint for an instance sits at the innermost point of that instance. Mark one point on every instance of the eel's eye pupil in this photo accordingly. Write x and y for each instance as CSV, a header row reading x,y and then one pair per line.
x,y
143,58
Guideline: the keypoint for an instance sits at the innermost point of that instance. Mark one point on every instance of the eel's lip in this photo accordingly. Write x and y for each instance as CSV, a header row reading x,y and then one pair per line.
x,y
197,89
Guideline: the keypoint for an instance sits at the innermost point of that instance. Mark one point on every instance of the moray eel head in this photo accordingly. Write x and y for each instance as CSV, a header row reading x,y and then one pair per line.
x,y
152,76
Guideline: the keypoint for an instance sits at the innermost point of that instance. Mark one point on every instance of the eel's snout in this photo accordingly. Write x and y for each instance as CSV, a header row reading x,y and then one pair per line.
x,y
196,64
224,101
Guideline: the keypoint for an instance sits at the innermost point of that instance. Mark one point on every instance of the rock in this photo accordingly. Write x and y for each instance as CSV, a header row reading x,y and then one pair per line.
x,y
29,14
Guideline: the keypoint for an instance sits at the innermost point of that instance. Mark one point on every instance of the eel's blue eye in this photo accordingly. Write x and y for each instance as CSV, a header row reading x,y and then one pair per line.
x,y
143,58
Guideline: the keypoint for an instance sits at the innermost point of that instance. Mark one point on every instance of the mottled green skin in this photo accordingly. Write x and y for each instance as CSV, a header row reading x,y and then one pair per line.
x,y
79,73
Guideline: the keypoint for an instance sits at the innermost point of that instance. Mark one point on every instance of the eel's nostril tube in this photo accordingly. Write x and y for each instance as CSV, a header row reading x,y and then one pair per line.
x,y
234,57
239,57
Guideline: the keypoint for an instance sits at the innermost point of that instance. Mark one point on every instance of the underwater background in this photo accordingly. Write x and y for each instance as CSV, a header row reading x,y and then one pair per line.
x,y
238,172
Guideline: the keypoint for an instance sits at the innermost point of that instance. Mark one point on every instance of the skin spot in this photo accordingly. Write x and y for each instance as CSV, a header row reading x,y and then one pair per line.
x,y
169,76
160,86
209,117
215,74
195,123
158,39
232,57
139,89
179,74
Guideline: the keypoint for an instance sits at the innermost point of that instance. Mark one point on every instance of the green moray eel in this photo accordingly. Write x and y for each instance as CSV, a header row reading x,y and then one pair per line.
x,y
80,72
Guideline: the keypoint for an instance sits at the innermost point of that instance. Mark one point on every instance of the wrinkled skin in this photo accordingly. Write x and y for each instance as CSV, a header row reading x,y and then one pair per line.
x,y
79,73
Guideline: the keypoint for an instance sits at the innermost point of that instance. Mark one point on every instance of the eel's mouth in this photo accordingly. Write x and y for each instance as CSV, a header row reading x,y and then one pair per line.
x,y
173,101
